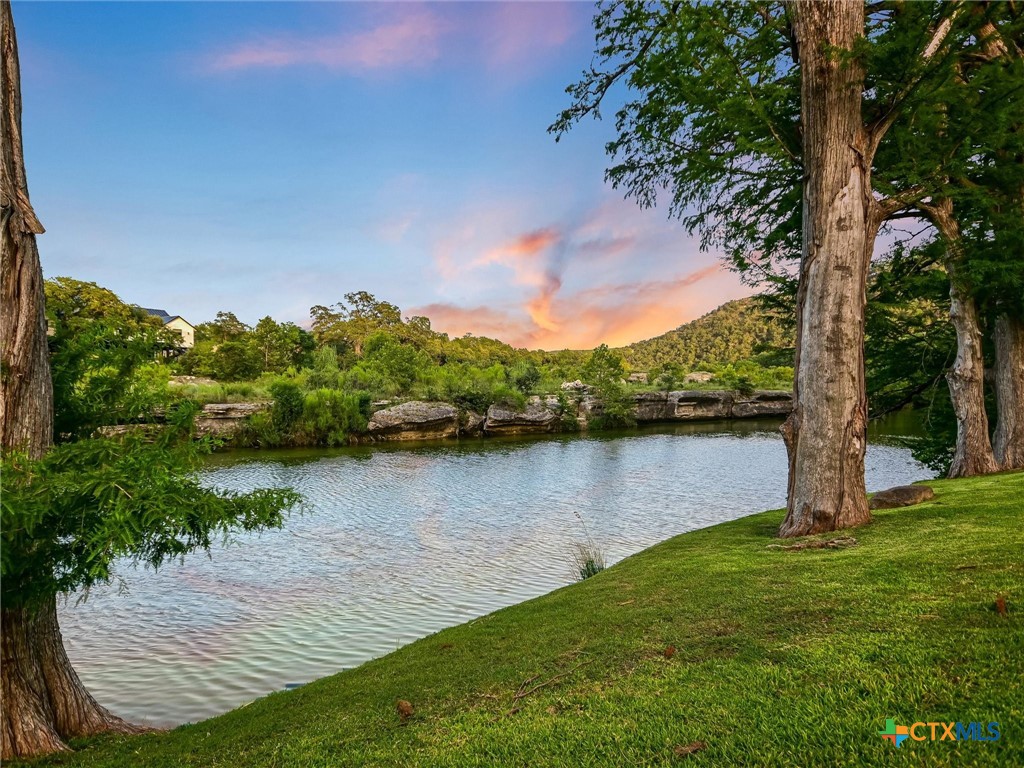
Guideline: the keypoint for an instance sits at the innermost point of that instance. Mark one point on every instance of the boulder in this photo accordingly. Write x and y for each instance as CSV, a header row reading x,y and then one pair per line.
x,y
698,377
415,420
702,405
762,403
694,405
901,496
225,419
574,386
538,416
637,378
472,424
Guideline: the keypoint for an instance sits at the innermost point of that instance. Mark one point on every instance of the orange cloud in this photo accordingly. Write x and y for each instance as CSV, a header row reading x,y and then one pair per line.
x,y
612,314
531,258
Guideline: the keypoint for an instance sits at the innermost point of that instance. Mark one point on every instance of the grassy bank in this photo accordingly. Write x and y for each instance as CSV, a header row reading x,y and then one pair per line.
x,y
780,658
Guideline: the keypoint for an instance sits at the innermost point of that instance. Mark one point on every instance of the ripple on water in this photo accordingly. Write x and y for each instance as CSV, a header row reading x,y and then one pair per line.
x,y
398,543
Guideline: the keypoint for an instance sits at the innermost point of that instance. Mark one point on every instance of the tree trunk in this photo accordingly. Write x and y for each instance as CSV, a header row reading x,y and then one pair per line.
x,y
826,434
973,453
1009,437
26,400
44,702
41,698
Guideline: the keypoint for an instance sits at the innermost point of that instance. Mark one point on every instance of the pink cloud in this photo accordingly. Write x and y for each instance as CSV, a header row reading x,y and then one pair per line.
x,y
505,37
412,39
517,32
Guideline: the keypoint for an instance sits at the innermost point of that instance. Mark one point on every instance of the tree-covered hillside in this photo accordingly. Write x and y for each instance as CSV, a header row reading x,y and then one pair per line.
x,y
737,330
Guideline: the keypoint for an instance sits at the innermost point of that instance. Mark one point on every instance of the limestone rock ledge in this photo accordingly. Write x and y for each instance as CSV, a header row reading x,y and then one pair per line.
x,y
225,419
701,405
540,415
415,420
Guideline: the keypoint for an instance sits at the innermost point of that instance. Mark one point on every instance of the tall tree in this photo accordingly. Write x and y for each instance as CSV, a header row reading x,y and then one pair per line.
x,y
1002,42
26,402
69,512
739,136
826,434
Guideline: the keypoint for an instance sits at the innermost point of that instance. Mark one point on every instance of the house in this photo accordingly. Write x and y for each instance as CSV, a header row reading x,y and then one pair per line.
x,y
175,323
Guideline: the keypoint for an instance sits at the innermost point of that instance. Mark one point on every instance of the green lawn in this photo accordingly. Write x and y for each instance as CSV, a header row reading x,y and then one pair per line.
x,y
782,658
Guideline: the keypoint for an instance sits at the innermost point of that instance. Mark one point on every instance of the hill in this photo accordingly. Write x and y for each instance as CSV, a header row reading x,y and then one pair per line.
x,y
737,330
778,658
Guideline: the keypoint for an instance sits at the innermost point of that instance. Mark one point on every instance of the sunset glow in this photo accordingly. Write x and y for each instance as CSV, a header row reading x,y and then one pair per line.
x,y
289,153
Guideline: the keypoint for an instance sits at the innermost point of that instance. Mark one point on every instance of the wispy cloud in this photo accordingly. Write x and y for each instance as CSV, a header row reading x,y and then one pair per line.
x,y
410,39
405,36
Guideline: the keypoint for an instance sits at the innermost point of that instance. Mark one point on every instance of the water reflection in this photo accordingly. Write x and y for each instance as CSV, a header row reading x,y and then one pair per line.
x,y
399,542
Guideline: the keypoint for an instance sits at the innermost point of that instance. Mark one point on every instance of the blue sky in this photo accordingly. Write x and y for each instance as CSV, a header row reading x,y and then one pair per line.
x,y
266,157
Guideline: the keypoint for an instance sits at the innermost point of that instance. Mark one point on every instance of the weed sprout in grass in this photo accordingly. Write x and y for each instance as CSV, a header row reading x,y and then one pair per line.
x,y
587,558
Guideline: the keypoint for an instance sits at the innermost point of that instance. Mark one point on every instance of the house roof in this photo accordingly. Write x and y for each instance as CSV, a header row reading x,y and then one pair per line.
x,y
162,314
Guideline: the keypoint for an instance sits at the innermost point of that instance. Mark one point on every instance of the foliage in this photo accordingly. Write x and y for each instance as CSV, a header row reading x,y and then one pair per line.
x,y
603,371
325,373
350,323
91,501
470,387
735,331
225,327
848,636
389,365
524,376
70,516
330,417
228,350
102,358
289,404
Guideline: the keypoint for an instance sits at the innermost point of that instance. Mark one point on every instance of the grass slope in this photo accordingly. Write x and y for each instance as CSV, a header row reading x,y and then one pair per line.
x,y
791,658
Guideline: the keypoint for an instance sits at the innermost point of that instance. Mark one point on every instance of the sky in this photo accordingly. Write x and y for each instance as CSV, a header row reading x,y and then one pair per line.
x,y
262,158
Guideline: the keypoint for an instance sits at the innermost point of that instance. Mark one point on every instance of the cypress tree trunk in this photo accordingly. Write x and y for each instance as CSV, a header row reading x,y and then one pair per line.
x,y
973,453
42,700
826,434
1009,437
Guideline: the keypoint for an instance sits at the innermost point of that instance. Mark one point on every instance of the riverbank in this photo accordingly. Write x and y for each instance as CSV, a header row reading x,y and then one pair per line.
x,y
715,647
416,421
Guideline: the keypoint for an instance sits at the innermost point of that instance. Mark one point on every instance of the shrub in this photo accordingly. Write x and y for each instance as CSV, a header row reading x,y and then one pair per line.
x,y
329,417
524,376
325,373
259,431
288,405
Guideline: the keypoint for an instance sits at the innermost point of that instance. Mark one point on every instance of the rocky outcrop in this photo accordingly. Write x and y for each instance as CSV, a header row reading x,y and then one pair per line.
x,y
472,424
901,496
540,415
764,402
705,405
415,420
225,419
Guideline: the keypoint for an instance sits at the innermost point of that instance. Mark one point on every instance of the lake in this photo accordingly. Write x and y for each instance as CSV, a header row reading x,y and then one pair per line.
x,y
397,542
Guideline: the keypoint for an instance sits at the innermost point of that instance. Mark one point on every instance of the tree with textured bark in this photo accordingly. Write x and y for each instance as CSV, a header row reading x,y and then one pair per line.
x,y
762,120
997,245
70,512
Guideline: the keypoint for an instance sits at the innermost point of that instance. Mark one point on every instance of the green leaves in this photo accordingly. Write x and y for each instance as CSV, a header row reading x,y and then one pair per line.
x,y
69,517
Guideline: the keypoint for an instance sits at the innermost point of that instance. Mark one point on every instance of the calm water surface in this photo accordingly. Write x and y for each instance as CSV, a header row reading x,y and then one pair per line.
x,y
397,543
